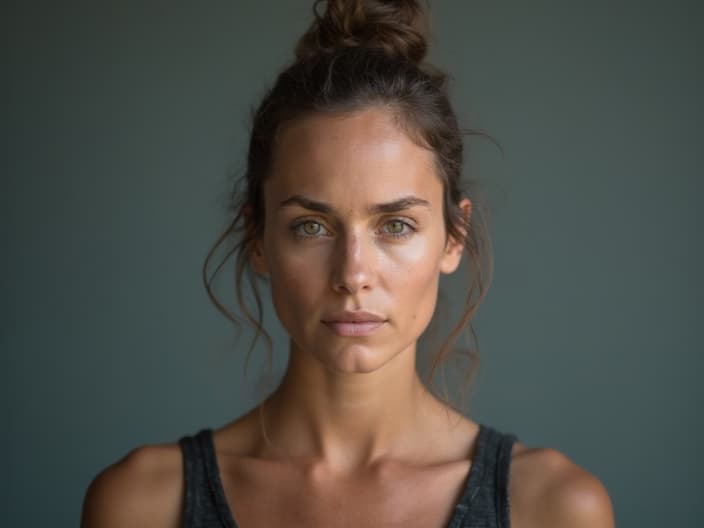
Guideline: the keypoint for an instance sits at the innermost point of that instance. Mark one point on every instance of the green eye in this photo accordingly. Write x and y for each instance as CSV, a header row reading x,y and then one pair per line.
x,y
311,228
396,227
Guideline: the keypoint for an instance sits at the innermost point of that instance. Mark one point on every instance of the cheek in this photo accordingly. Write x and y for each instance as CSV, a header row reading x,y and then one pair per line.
x,y
413,276
417,261
297,281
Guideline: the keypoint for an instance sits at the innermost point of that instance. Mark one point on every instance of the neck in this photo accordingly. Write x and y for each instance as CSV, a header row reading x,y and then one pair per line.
x,y
346,420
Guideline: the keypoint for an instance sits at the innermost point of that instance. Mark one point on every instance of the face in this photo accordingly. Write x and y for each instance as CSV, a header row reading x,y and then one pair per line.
x,y
353,224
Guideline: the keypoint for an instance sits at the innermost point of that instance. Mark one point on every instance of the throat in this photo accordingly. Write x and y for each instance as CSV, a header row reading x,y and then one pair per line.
x,y
345,423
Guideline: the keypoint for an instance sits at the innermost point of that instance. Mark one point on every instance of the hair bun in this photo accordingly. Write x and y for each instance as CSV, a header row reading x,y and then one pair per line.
x,y
397,26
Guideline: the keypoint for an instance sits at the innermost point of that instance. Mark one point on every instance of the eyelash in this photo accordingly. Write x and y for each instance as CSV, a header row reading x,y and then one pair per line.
x,y
296,229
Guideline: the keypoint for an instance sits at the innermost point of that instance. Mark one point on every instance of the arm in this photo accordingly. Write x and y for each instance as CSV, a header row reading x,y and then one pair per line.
x,y
576,499
145,488
548,490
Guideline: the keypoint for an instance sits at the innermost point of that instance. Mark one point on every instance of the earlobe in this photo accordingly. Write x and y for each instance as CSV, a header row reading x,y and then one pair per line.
x,y
451,257
254,249
257,259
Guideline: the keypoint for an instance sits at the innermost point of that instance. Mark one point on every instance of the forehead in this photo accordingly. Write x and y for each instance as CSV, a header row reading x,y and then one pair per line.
x,y
355,157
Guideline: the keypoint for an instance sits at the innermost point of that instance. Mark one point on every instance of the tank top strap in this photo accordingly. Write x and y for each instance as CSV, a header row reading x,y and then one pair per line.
x,y
205,504
485,500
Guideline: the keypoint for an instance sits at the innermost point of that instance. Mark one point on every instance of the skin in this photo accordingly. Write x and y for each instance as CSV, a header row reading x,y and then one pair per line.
x,y
350,418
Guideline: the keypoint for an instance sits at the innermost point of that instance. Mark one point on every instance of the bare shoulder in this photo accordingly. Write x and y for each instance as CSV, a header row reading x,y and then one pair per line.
x,y
548,490
144,488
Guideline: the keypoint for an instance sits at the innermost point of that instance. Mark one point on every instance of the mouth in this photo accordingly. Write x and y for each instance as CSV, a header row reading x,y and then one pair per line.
x,y
355,328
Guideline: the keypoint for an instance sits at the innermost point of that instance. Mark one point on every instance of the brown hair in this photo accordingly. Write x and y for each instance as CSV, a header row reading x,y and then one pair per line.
x,y
356,54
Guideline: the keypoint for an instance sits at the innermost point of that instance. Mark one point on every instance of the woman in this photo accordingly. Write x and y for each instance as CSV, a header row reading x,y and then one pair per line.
x,y
352,211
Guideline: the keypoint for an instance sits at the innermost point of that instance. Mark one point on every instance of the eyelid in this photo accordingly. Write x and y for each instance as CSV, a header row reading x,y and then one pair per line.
x,y
404,219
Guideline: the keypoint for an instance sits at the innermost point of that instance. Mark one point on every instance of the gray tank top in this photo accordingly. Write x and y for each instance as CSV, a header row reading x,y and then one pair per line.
x,y
484,502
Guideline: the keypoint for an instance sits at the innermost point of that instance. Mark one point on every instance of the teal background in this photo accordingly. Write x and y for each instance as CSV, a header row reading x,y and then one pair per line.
x,y
123,124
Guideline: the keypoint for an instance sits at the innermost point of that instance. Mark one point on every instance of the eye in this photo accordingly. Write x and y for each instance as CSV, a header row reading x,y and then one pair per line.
x,y
308,229
398,228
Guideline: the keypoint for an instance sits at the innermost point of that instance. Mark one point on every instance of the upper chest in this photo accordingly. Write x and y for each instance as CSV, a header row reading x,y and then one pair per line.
x,y
262,493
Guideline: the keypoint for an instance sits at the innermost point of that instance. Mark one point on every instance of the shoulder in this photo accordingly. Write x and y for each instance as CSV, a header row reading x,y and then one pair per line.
x,y
548,490
144,488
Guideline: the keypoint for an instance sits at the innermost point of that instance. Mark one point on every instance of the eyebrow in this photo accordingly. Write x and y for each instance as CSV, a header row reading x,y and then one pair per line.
x,y
401,204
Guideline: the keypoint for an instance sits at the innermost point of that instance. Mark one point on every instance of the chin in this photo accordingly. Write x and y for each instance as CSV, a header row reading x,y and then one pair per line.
x,y
355,359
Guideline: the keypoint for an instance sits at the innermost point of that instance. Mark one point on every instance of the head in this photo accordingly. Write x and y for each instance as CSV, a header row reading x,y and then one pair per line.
x,y
357,120
353,221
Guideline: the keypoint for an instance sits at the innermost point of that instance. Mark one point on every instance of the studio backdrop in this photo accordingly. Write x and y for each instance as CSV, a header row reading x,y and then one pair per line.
x,y
124,125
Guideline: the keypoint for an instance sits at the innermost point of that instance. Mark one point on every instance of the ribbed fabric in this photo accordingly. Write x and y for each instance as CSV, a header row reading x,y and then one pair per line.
x,y
484,502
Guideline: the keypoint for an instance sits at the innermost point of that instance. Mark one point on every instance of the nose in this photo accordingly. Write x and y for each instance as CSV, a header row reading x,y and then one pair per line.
x,y
353,265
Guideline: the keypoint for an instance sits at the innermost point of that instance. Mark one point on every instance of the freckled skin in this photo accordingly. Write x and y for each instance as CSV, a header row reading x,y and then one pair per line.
x,y
353,262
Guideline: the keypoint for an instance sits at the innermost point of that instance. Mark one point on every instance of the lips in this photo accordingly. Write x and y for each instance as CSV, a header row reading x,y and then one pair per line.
x,y
354,324
357,316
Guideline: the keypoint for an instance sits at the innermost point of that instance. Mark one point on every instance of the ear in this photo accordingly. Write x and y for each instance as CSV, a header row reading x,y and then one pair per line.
x,y
257,258
452,255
